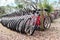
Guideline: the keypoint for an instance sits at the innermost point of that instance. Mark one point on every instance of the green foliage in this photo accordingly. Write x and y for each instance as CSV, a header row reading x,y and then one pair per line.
x,y
2,10
40,5
48,6
19,6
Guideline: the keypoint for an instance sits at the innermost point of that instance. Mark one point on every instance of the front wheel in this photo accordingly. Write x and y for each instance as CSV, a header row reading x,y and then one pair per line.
x,y
29,27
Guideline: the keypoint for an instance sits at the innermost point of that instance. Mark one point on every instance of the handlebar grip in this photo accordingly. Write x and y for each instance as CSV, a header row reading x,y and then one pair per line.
x,y
46,9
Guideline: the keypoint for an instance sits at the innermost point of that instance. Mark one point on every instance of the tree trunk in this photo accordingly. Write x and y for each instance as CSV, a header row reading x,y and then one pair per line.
x,y
42,18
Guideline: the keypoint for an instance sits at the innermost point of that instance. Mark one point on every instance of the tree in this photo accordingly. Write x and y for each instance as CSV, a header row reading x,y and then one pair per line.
x,y
2,10
19,4
42,6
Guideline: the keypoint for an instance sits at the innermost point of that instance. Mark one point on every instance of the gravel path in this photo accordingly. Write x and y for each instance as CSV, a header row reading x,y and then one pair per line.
x,y
51,34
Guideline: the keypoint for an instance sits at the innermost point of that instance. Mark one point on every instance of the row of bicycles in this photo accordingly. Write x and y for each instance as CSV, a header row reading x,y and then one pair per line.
x,y
27,23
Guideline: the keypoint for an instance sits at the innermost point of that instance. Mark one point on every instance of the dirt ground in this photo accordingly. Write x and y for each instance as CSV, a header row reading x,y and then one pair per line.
x,y
51,34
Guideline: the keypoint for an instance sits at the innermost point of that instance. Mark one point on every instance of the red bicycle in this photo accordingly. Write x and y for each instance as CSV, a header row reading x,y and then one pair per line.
x,y
35,21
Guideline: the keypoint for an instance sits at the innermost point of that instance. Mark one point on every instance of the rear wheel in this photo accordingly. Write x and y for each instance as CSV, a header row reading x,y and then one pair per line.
x,y
47,23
